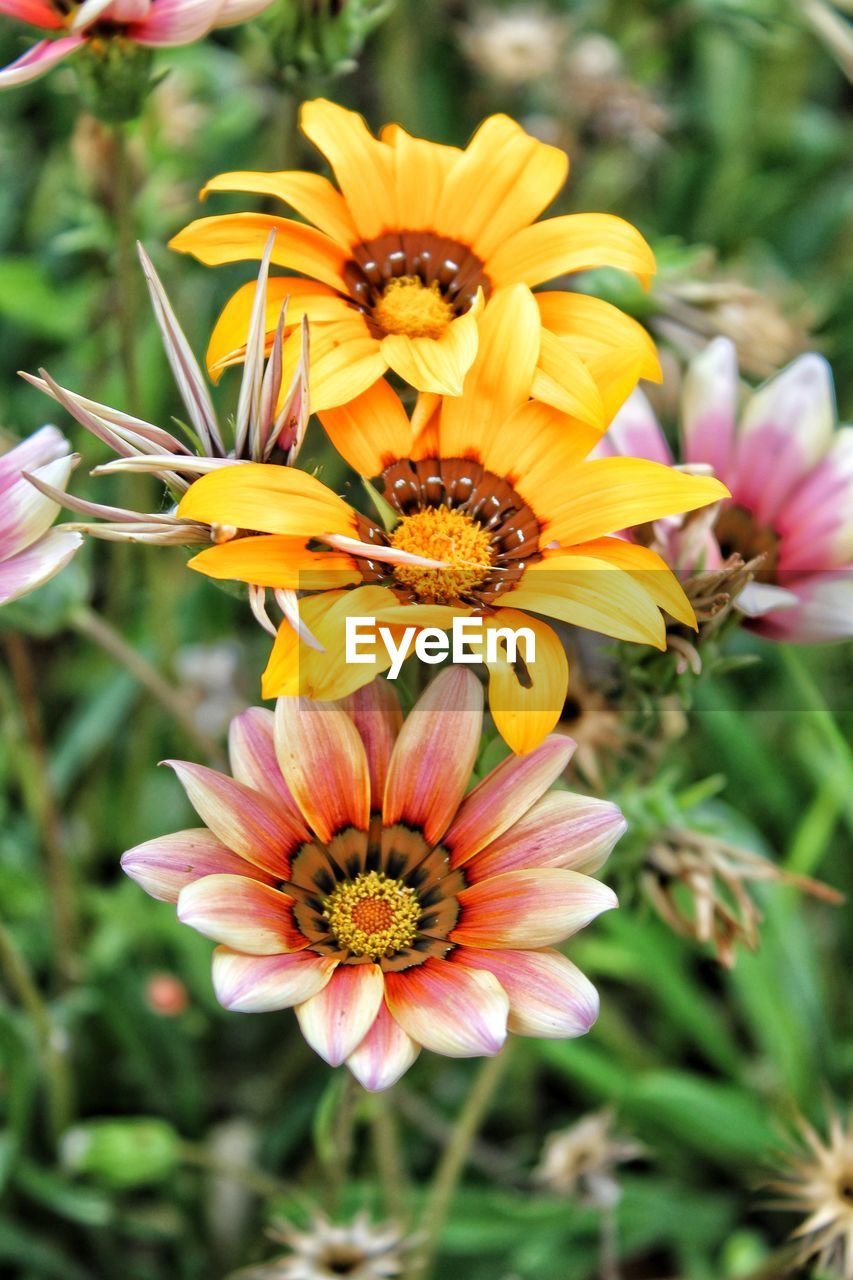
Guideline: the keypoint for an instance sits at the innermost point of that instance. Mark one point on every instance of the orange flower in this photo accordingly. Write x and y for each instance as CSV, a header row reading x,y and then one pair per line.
x,y
398,264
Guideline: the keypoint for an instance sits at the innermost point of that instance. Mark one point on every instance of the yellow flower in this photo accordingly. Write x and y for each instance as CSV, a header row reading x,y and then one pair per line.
x,y
397,265
496,494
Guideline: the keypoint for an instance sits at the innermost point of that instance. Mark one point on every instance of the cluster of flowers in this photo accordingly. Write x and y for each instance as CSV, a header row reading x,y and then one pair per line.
x,y
344,868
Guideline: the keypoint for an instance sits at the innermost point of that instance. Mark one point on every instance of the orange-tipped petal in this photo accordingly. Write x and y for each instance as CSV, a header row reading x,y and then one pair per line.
x,y
336,1020
323,762
548,995
534,908
448,1009
164,865
363,166
375,711
242,914
261,984
561,830
384,1055
273,560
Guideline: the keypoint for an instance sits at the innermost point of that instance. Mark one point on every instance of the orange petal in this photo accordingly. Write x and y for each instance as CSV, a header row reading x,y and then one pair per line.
x,y
574,242
529,908
237,237
336,1020
251,754
345,360
371,431
363,166
527,701
420,169
304,297
384,1055
312,196
270,499
375,712
649,570
565,381
434,755
243,914
548,995
448,1009
323,762
262,984
435,364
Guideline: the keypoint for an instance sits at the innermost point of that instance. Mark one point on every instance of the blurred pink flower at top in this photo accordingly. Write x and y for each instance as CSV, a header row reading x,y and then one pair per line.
x,y
30,551
154,23
790,474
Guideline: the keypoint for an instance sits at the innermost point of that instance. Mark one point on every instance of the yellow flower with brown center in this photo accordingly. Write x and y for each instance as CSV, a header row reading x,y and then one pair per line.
x,y
397,262
496,490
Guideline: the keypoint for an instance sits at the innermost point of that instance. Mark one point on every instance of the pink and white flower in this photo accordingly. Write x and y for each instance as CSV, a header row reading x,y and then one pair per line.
x,y
153,23
345,872
30,551
789,470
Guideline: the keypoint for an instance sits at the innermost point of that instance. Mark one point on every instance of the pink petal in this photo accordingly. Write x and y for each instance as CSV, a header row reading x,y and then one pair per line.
x,y
242,914
163,866
636,433
260,984
460,1013
375,711
505,795
324,764
548,995
38,60
36,12
234,11
29,569
261,832
709,408
435,754
529,908
823,614
561,830
384,1055
251,753
336,1020
27,513
816,522
43,446
175,22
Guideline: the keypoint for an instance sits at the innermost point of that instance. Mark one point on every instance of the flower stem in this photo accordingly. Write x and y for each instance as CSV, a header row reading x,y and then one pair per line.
x,y
95,628
122,206
45,810
390,1165
452,1163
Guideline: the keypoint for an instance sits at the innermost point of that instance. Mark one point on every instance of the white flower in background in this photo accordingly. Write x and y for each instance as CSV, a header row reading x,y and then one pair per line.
x,y
30,551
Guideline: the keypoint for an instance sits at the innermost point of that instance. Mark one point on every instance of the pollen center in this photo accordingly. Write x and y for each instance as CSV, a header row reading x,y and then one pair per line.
x,y
373,915
410,307
439,533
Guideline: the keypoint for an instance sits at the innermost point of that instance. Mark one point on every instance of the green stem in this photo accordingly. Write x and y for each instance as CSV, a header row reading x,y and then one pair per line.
x,y
390,1166
265,1185
95,628
125,267
823,721
452,1163
52,1042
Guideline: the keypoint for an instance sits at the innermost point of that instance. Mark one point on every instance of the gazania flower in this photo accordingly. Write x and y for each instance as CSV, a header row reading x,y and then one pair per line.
x,y
30,551
397,264
327,1250
818,1181
581,1161
344,871
495,488
151,23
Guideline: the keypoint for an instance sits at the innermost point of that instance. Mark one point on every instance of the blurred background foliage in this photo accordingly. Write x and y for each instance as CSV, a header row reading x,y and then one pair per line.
x,y
722,128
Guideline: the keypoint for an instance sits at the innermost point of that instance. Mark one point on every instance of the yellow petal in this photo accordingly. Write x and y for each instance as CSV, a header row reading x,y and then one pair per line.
x,y
363,166
435,364
420,171
527,702
276,561
309,194
238,237
592,324
304,298
372,431
649,570
344,360
269,499
564,381
575,242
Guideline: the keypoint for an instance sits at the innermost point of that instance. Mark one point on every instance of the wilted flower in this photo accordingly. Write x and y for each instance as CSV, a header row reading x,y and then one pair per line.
x,y
106,24
30,551
345,871
698,885
358,1250
595,725
790,474
818,1181
515,46
604,101
581,1161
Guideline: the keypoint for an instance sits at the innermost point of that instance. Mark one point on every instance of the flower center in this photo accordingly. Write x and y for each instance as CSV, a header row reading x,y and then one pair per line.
x,y
373,915
408,306
442,533
737,530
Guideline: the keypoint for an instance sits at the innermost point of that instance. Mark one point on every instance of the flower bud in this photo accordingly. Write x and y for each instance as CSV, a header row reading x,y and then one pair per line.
x,y
122,1153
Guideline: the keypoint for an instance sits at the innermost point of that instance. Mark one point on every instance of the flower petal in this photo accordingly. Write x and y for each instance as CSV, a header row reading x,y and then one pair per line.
x,y
336,1020
460,1013
163,866
709,404
38,60
504,795
526,699
533,908
43,446
27,513
371,431
590,592
323,762
318,302
251,753
242,914
274,560
561,830
435,364
375,711
434,755
592,324
647,568
312,196
636,432
240,237
261,984
384,1055
29,569
574,242
270,499
548,995
363,166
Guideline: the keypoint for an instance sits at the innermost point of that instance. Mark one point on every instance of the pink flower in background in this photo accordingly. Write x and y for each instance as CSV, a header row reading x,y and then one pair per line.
x,y
154,23
790,474
30,551
345,871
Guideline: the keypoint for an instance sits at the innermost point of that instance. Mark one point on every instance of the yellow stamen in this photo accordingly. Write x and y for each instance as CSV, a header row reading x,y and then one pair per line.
x,y
373,915
440,533
410,307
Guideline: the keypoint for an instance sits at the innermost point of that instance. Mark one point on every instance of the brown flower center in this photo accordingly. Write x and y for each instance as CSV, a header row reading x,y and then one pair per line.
x,y
737,531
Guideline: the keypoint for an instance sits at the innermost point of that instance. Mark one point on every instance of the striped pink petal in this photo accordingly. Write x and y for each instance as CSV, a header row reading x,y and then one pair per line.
x,y
38,60
636,433
26,513
261,832
43,446
548,995
163,866
816,523
823,613
251,752
242,914
336,1020
561,830
505,795
529,908
375,711
29,569
384,1055
175,22
434,754
324,764
451,1010
709,408
260,984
